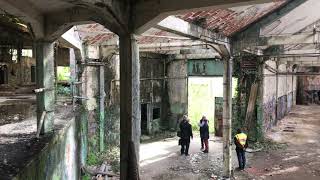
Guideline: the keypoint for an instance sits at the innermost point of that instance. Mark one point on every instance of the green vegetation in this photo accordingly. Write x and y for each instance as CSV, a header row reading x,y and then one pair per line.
x,y
63,73
200,103
63,90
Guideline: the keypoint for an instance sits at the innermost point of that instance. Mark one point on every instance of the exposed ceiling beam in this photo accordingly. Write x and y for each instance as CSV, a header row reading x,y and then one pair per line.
x,y
308,38
183,44
197,56
297,60
59,22
249,37
27,13
180,27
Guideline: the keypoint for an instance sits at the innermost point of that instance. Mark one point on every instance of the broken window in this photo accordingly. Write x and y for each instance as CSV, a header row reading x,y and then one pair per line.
x,y
27,52
156,113
33,73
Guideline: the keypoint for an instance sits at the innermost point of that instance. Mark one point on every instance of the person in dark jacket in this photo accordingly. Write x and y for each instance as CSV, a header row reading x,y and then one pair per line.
x,y
204,134
202,131
240,140
185,134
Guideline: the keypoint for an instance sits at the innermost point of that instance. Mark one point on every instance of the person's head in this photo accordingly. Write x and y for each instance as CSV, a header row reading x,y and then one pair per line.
x,y
239,130
184,118
204,117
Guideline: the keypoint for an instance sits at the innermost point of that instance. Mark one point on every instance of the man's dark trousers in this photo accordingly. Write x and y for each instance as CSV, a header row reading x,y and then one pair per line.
x,y
185,146
241,158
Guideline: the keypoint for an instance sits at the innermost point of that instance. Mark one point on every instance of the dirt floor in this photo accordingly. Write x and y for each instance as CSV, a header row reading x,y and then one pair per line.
x,y
18,142
162,160
300,130
300,160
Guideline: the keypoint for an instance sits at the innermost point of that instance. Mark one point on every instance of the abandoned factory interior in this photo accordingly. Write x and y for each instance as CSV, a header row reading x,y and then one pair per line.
x,y
159,89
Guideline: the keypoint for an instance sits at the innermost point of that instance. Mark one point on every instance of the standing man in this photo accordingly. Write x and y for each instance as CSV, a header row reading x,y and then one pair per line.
x,y
240,140
203,131
186,133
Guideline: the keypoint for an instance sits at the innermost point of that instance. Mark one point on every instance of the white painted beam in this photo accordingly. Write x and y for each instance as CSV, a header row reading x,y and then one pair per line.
x,y
72,38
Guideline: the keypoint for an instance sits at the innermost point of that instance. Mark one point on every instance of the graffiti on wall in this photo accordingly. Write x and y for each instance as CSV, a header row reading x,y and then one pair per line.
x,y
282,107
269,114
289,101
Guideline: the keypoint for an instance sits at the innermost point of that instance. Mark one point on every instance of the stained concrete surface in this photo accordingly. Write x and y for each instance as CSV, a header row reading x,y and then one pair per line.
x,y
16,109
300,130
162,160
18,142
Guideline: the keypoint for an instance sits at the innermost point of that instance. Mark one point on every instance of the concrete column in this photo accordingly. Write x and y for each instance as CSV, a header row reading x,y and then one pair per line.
x,y
101,109
73,75
227,117
277,87
130,115
45,79
259,102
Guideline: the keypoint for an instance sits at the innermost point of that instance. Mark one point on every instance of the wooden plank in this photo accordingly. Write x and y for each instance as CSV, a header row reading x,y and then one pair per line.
x,y
251,104
43,115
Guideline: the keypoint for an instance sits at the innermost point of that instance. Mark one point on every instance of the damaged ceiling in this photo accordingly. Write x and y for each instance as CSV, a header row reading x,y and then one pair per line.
x,y
226,21
231,20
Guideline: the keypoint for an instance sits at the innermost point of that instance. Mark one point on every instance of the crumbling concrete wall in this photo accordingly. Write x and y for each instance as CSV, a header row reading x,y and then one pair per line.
x,y
177,91
152,92
58,160
309,86
151,89
112,91
19,74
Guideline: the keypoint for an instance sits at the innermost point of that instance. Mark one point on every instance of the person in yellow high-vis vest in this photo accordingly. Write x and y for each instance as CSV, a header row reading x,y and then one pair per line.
x,y
240,140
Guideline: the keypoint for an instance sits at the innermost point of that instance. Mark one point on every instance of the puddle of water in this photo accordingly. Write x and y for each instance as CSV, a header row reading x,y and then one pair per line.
x,y
12,112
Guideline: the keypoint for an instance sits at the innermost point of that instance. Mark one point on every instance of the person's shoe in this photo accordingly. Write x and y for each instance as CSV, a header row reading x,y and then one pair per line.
x,y
205,151
187,154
